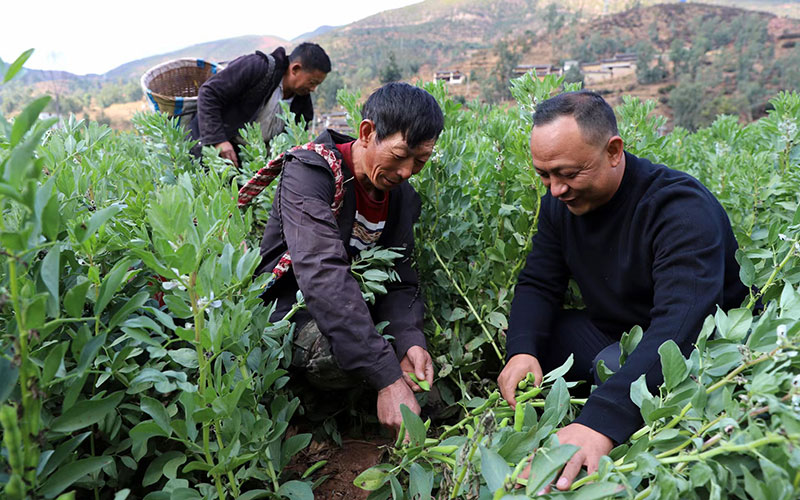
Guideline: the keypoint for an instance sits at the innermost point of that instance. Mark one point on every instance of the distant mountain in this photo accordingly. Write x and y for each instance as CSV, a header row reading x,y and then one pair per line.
x,y
472,36
425,36
30,76
312,34
216,51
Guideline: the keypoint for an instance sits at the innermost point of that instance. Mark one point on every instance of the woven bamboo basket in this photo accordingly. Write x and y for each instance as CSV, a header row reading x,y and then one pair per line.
x,y
172,87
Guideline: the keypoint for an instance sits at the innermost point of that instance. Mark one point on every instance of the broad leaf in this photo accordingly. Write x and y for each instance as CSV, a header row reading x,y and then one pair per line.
x,y
110,284
414,426
373,478
673,364
546,464
16,66
85,413
68,474
494,469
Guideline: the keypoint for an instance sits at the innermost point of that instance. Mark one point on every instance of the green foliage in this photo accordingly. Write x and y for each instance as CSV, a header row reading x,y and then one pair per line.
x,y
495,86
646,71
391,72
136,342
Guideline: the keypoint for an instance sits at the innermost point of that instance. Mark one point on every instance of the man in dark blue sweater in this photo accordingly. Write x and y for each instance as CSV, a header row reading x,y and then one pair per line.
x,y
647,246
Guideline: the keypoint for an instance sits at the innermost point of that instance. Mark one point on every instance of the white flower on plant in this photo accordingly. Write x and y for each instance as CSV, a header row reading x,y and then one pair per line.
x,y
437,155
781,331
171,285
783,237
204,302
796,402
796,381
787,128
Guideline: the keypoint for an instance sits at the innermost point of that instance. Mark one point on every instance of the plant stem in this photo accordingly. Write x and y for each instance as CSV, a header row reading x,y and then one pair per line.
x,y
469,303
296,307
231,479
774,275
689,441
31,417
197,315
463,472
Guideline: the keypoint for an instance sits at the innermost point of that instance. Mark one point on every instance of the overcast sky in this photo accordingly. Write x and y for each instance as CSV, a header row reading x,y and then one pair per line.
x,y
93,36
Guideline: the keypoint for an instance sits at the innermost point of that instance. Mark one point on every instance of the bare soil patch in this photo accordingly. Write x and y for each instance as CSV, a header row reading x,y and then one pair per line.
x,y
345,463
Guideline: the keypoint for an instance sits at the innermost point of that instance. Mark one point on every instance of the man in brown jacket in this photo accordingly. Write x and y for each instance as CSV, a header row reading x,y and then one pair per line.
x,y
377,207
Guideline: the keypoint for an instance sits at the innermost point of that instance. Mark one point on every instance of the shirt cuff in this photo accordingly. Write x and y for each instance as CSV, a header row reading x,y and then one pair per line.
x,y
383,373
408,339
521,343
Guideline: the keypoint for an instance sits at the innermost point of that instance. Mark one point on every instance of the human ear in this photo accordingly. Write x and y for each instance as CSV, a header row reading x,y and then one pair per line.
x,y
615,149
365,131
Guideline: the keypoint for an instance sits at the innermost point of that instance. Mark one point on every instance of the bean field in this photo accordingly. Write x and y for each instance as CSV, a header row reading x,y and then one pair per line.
x,y
139,361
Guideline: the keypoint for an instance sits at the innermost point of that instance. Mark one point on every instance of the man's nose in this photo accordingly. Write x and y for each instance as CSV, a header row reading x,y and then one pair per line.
x,y
407,170
557,188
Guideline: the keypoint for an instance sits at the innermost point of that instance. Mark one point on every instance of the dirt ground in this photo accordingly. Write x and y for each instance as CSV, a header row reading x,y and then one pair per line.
x,y
344,464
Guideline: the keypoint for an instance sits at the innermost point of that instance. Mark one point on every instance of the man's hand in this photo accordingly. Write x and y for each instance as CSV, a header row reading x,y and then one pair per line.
x,y
389,400
226,151
593,445
417,360
517,368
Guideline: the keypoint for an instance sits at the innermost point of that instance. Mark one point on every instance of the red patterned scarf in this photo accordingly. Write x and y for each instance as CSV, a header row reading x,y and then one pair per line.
x,y
266,175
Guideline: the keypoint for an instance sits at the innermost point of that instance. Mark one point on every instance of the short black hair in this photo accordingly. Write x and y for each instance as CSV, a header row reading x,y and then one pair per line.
x,y
312,57
594,116
400,107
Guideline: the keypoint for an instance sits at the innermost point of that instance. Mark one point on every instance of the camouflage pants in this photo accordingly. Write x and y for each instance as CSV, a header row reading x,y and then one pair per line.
x,y
312,353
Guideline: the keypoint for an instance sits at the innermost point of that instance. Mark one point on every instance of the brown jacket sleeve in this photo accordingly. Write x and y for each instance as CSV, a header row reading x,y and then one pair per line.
x,y
322,269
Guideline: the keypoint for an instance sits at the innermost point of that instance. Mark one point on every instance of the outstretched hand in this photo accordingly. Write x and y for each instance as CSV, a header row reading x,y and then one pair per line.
x,y
515,370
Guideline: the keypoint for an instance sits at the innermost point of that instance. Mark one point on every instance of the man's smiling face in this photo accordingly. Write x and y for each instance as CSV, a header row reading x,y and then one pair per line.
x,y
391,161
582,175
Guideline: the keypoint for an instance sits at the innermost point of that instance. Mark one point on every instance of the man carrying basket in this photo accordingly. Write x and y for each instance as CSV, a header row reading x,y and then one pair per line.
x,y
250,89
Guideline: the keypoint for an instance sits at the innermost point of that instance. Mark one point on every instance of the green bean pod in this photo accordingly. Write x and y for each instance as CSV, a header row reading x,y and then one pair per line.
x,y
12,438
400,435
447,449
519,417
529,395
15,488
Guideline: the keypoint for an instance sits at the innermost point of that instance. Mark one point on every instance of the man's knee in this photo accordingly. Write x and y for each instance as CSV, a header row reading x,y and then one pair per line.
x,y
312,353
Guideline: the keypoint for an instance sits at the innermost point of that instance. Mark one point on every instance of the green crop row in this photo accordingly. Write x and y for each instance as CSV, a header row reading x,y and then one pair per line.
x,y
138,360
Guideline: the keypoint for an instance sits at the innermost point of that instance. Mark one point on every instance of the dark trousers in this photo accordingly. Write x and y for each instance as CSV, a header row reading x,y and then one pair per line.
x,y
574,333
